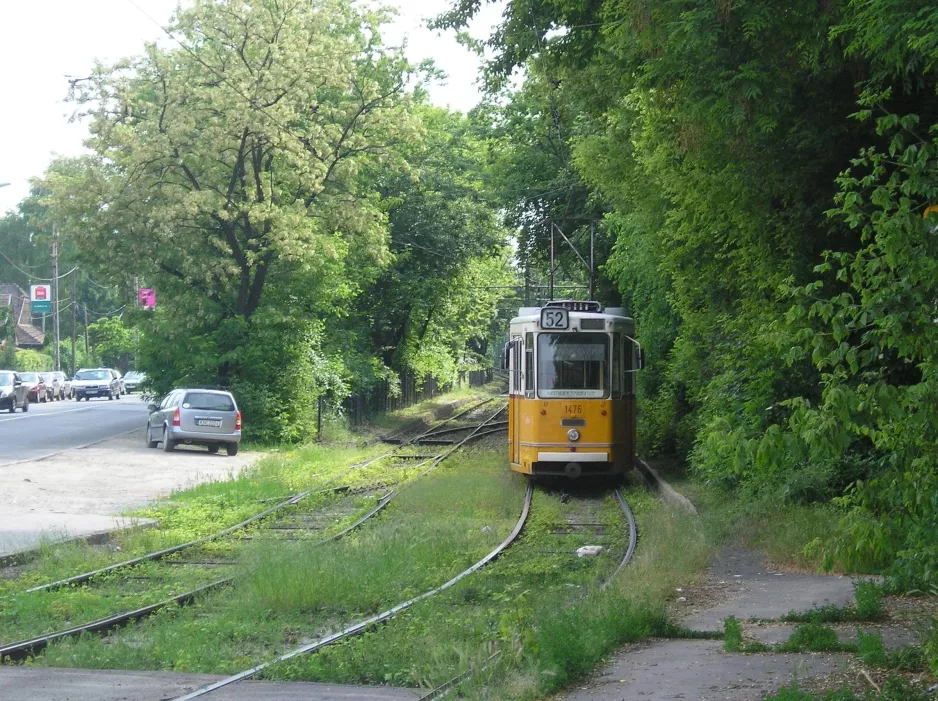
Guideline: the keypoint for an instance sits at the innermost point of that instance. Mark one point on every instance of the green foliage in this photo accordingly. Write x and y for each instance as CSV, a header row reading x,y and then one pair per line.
x,y
794,345
32,361
113,342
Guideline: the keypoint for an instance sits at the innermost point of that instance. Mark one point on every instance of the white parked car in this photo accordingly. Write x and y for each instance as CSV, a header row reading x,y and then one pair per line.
x,y
96,382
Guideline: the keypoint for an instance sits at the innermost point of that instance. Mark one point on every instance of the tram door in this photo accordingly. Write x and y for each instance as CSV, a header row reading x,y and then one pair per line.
x,y
515,391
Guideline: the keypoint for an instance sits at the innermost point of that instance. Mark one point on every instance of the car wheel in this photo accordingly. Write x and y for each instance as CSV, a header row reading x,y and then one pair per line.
x,y
212,449
232,449
150,443
168,443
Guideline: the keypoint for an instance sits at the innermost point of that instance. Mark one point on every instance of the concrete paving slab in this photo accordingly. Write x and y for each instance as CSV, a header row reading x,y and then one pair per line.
x,y
750,590
24,530
52,684
699,670
777,633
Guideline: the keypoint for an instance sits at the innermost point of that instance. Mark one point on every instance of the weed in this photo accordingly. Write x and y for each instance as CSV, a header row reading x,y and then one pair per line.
x,y
815,637
869,601
895,689
871,650
868,607
732,635
930,647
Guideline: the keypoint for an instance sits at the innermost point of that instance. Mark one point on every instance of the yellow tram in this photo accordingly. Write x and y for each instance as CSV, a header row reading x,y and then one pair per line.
x,y
572,390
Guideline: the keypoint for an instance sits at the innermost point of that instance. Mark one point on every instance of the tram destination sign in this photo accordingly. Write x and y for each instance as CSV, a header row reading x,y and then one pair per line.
x,y
555,318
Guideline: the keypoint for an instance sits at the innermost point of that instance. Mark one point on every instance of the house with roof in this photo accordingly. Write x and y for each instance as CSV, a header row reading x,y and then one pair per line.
x,y
13,297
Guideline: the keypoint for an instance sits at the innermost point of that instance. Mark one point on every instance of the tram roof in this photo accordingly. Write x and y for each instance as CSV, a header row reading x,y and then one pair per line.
x,y
528,315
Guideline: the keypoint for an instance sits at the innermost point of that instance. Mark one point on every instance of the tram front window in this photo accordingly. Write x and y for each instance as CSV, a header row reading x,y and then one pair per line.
x,y
572,365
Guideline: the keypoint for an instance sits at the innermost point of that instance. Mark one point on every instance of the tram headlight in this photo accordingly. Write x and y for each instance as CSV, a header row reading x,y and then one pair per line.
x,y
573,435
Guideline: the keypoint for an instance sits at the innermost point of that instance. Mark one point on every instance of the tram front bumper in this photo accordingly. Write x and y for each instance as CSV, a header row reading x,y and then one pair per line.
x,y
572,457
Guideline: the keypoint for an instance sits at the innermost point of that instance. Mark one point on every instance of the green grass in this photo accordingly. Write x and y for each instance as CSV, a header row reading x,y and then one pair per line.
x,y
895,689
868,607
301,591
539,606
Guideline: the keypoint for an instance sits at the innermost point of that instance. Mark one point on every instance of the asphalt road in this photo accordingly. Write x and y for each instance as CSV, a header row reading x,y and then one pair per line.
x,y
52,427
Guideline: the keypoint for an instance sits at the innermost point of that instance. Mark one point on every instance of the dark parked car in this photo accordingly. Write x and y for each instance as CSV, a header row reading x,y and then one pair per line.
x,y
13,392
36,388
197,417
133,380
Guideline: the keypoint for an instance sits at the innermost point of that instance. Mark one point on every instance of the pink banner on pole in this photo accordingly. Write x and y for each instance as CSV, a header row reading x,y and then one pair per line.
x,y
146,298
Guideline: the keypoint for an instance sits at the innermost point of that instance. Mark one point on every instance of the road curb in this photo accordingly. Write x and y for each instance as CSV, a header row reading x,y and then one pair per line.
x,y
22,557
666,491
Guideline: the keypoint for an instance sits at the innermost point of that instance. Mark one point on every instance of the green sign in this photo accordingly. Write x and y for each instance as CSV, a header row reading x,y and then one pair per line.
x,y
40,306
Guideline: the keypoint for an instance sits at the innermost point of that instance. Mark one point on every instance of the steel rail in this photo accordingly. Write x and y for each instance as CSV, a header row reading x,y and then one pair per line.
x,y
361,626
382,503
633,537
24,648
437,425
442,432
448,687
160,554
19,651
292,500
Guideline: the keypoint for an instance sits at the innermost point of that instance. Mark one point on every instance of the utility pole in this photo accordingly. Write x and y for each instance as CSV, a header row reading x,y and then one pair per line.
x,y
74,314
55,295
85,307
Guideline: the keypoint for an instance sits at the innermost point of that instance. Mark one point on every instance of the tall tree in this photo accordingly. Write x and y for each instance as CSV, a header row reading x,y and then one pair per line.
x,y
226,174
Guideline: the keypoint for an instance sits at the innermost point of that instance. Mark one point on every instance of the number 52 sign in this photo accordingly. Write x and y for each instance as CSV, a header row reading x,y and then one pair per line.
x,y
555,318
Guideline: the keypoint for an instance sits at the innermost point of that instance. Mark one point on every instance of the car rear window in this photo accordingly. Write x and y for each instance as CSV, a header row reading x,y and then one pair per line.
x,y
208,401
29,377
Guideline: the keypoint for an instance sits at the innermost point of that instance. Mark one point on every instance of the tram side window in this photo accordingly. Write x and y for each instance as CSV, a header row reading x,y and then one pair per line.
x,y
516,367
630,351
529,365
617,375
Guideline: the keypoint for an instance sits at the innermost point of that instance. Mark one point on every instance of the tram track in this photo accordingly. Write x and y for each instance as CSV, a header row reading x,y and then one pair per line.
x,y
368,623
573,523
22,649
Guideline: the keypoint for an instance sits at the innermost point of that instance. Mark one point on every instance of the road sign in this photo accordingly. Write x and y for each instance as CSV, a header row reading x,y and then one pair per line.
x,y
40,299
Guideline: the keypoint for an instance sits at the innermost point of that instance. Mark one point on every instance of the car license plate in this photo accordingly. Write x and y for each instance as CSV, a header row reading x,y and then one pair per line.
x,y
91,391
215,423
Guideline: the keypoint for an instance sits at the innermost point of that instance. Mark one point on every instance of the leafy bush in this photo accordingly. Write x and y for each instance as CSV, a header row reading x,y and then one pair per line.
x,y
32,361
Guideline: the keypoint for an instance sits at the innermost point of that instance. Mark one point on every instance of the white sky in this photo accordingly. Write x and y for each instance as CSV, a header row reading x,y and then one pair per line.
x,y
43,41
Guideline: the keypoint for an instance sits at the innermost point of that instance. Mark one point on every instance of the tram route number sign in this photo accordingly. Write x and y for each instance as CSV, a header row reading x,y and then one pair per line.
x,y
555,318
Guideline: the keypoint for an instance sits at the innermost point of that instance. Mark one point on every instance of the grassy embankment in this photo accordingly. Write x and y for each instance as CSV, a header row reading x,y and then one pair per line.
x,y
187,515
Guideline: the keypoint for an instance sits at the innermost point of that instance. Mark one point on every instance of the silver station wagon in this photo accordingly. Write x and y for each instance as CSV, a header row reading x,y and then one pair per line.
x,y
195,417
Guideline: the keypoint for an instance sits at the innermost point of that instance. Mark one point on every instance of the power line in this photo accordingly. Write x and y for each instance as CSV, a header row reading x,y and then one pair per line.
x,y
103,287
33,277
103,314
